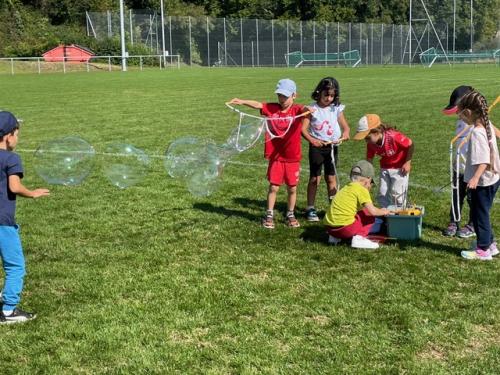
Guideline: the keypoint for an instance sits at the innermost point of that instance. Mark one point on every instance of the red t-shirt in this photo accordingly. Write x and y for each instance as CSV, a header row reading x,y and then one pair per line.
x,y
287,148
393,151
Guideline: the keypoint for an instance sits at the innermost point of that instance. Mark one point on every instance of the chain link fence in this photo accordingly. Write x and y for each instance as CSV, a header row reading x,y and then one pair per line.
x,y
210,41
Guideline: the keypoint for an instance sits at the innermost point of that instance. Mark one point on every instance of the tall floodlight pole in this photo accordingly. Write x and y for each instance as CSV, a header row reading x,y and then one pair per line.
x,y
122,37
163,32
471,25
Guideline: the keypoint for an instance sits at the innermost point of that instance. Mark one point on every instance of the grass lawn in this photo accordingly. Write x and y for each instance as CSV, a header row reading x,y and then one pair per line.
x,y
152,280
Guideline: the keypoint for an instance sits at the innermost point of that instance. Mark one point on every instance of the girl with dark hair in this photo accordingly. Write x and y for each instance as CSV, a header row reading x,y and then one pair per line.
x,y
482,172
325,128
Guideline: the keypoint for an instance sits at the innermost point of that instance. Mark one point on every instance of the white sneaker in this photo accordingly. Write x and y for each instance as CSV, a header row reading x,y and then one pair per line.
x,y
360,242
333,240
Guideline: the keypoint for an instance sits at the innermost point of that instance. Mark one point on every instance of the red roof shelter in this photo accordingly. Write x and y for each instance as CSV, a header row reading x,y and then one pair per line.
x,y
73,54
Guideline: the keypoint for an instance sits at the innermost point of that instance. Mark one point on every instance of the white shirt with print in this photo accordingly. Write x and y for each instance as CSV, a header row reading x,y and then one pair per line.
x,y
324,122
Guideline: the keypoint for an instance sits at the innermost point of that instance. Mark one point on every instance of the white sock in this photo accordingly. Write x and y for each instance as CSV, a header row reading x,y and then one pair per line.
x,y
270,213
7,312
310,208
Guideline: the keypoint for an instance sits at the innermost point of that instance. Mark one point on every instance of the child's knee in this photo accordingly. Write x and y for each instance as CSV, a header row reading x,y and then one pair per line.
x,y
315,180
273,188
292,189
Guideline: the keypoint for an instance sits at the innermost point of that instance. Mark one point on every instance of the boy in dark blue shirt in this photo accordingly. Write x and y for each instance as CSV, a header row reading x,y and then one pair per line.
x,y
11,251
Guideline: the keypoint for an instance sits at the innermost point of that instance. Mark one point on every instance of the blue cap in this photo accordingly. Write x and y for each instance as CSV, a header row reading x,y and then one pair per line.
x,y
8,123
286,87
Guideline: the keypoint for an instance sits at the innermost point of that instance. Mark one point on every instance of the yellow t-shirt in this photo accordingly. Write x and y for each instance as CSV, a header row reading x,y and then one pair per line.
x,y
348,201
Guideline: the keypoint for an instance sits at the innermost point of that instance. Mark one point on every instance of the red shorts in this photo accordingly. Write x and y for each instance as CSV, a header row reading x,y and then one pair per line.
x,y
362,224
282,172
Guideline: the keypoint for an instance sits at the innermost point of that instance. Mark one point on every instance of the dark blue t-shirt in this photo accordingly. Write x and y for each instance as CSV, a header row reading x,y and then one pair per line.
x,y
10,164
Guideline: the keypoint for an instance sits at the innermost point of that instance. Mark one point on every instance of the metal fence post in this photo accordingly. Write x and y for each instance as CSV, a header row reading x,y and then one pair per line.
x,y
253,65
371,49
241,40
288,38
401,44
257,30
326,43
39,69
392,45
190,44
272,39
338,40
300,36
314,40
131,28
208,44
361,41
170,35
225,43
382,44
350,37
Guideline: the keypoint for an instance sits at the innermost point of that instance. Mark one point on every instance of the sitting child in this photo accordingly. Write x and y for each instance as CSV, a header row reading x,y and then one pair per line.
x,y
352,213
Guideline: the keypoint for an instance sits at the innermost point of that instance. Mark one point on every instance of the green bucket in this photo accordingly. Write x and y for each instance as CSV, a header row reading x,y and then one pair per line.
x,y
405,227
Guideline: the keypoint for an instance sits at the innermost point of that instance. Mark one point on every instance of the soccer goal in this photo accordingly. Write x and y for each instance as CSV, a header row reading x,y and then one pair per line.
x,y
432,55
349,58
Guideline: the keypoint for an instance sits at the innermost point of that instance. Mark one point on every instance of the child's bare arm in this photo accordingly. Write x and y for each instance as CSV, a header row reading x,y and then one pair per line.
x,y
374,211
249,103
407,165
472,184
306,122
345,128
497,131
18,188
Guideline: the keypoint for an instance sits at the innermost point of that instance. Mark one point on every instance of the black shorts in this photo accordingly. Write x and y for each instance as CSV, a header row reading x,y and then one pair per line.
x,y
319,156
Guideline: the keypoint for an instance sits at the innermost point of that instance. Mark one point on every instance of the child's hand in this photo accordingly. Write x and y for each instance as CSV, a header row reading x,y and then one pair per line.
x,y
317,143
406,168
386,211
37,193
473,183
236,101
309,108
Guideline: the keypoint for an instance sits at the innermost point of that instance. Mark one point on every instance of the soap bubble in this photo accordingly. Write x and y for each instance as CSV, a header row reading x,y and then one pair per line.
x,y
64,161
186,155
125,165
246,134
206,177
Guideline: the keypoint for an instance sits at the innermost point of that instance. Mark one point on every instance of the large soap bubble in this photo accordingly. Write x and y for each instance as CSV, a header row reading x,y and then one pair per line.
x,y
64,161
185,155
246,134
206,177
125,165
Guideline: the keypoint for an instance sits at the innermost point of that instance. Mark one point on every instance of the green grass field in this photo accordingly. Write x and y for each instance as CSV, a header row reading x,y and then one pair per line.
x,y
153,280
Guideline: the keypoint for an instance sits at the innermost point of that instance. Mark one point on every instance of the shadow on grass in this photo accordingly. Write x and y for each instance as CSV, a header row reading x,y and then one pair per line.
x,y
259,204
434,246
227,212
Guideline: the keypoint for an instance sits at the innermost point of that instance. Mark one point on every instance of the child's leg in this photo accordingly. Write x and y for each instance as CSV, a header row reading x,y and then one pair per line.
x,y
271,196
481,202
316,161
12,256
312,188
384,193
361,227
292,198
331,185
331,162
398,186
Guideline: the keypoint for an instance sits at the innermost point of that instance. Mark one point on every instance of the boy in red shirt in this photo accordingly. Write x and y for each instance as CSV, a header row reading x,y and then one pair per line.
x,y
283,151
395,151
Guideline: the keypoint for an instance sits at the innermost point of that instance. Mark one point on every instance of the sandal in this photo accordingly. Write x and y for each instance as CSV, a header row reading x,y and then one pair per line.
x,y
268,222
292,222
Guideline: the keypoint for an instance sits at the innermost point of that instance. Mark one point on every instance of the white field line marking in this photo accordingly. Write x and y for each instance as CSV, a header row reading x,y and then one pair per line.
x,y
434,189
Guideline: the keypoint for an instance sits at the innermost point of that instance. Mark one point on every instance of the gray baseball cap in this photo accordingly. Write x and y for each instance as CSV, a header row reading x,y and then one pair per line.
x,y
363,168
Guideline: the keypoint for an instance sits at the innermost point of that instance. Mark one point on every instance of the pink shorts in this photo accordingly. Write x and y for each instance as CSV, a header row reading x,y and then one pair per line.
x,y
282,172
